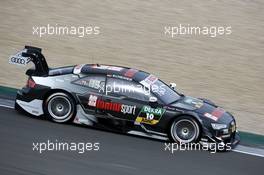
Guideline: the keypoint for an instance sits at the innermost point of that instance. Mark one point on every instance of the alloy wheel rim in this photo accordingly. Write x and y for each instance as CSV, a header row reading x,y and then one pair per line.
x,y
59,107
184,131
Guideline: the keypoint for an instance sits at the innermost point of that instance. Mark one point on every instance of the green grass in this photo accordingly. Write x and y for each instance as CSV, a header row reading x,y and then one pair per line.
x,y
251,139
7,90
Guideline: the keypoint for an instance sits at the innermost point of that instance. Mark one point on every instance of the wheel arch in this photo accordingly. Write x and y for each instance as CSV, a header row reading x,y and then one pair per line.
x,y
52,91
192,115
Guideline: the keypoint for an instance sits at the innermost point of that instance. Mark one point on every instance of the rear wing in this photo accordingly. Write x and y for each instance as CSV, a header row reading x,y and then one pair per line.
x,y
31,54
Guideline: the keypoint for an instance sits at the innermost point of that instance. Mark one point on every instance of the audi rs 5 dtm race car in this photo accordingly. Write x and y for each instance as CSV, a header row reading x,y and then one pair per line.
x,y
121,99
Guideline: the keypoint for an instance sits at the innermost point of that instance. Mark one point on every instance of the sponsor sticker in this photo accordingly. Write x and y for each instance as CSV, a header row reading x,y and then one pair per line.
x,y
77,69
93,83
151,79
114,68
92,100
127,109
115,107
216,114
120,77
211,116
110,106
130,73
150,115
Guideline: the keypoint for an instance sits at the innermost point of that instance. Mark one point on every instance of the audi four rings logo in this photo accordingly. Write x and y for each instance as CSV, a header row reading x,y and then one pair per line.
x,y
18,60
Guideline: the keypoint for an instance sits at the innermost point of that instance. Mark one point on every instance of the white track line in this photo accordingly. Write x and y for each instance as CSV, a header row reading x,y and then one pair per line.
x,y
249,150
6,106
249,153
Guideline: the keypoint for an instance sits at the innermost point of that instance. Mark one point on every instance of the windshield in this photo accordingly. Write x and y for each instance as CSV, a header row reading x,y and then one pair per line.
x,y
160,89
164,92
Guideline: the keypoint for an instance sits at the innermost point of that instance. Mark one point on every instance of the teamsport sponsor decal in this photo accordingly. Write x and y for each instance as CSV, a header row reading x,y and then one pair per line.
x,y
150,115
114,68
77,69
115,107
109,106
216,114
127,109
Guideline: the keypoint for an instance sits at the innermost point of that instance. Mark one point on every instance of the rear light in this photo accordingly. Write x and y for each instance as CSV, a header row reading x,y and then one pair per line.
x,y
31,83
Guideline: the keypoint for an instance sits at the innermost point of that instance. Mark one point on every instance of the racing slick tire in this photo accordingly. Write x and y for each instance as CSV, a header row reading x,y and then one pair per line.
x,y
60,107
185,129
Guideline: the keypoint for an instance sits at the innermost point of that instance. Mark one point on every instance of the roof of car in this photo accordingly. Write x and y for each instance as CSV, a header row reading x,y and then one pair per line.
x,y
127,72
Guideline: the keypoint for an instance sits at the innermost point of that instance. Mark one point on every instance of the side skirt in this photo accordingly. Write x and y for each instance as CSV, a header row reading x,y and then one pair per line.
x,y
83,118
143,134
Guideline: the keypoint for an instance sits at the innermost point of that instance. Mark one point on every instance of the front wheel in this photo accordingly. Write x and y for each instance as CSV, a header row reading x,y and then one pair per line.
x,y
60,107
185,129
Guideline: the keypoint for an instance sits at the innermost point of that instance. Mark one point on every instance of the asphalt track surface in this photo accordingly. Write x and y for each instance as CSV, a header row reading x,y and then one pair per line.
x,y
118,154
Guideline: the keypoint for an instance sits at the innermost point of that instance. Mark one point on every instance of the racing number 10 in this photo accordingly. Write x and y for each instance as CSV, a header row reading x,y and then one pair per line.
x,y
150,116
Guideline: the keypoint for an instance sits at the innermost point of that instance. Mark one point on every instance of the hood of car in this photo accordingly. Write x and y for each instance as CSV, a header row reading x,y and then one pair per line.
x,y
188,103
205,108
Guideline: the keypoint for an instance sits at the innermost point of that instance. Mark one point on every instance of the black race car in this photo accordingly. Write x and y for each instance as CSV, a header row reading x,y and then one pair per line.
x,y
122,99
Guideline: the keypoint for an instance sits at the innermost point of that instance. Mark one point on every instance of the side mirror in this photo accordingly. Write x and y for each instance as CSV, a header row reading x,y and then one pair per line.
x,y
173,86
153,101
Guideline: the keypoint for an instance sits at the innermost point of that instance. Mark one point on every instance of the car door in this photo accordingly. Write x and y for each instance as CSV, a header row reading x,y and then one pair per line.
x,y
123,99
95,84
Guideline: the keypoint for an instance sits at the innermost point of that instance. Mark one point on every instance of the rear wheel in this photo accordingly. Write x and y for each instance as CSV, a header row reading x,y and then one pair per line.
x,y
60,107
185,130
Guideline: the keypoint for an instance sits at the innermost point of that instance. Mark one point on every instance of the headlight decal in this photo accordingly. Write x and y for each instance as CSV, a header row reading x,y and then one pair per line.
x,y
218,126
